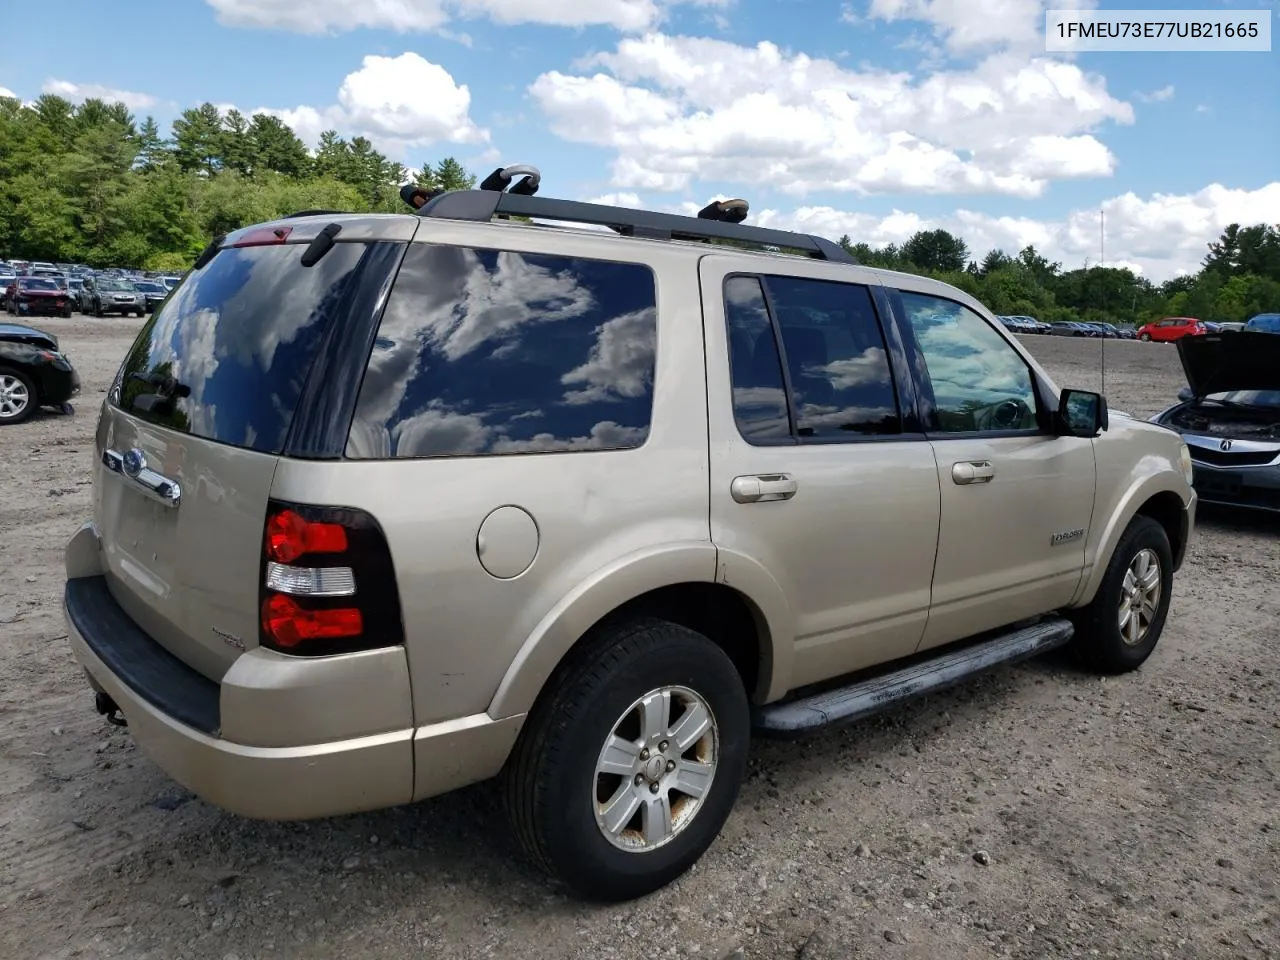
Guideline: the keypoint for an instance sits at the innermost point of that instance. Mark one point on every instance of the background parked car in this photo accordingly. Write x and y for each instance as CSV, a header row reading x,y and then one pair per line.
x,y
1264,323
105,294
36,297
152,292
33,373
1231,326
1031,323
1072,328
1170,329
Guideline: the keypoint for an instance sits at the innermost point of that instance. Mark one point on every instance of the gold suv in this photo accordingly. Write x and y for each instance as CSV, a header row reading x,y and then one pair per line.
x,y
386,505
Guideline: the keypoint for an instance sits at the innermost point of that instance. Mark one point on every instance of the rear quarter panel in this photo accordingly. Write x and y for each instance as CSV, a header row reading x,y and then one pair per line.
x,y
611,524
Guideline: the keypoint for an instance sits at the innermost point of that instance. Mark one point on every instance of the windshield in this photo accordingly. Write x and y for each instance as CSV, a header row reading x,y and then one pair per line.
x,y
37,283
1248,398
150,287
115,285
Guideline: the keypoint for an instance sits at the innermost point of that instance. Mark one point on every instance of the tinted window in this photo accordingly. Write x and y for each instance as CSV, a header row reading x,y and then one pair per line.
x,y
979,381
836,358
759,393
497,352
32,283
235,343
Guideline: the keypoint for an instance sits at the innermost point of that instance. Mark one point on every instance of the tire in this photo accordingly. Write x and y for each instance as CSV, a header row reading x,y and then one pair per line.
x,y
1100,643
1145,338
97,308
66,313
555,793
18,398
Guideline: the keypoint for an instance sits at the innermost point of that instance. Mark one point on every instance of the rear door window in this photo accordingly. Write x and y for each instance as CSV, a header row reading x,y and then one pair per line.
x,y
227,355
836,363
486,352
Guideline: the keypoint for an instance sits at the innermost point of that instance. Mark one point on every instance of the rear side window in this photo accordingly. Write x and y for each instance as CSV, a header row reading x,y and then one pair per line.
x,y
227,355
835,360
484,352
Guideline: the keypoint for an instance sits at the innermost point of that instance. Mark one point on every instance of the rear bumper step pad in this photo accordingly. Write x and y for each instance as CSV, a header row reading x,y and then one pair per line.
x,y
141,664
863,698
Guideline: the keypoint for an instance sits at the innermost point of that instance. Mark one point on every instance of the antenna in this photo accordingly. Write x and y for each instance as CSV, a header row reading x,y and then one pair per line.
x,y
1102,259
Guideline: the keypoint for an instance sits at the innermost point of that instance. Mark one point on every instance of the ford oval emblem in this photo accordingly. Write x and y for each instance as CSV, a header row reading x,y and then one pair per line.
x,y
134,462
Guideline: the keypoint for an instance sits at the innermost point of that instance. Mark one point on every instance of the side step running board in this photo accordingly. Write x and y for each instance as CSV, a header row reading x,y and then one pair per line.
x,y
794,718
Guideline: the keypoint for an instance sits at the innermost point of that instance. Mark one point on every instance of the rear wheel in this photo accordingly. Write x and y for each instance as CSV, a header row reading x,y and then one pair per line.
x,y
1119,629
17,396
629,765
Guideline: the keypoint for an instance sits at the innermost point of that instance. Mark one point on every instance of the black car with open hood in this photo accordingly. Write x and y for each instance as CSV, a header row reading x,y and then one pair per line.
x,y
1229,416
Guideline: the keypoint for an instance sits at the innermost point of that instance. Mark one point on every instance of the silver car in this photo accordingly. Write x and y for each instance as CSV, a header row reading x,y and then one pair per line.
x,y
1229,416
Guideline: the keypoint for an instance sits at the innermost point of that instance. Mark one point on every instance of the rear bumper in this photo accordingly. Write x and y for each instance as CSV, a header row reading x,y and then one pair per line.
x,y
280,738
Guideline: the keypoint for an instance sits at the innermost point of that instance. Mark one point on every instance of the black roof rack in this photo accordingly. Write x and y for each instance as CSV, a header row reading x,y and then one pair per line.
x,y
483,205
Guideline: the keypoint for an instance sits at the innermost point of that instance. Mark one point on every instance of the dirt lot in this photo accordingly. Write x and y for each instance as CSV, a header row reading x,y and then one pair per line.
x,y
1133,817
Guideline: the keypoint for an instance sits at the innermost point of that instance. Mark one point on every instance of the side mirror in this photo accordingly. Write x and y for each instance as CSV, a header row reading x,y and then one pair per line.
x,y
1186,394
1081,413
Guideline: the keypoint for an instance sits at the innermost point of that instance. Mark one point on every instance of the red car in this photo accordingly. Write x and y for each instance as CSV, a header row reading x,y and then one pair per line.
x,y
1172,328
36,296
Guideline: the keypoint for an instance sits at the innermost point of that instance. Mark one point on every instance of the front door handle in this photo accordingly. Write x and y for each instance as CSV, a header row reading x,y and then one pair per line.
x,y
762,487
972,471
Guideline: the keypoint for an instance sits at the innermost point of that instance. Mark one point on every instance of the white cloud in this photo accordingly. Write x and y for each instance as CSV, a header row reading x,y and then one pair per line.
x,y
969,26
676,109
79,92
1159,236
631,200
1156,96
396,102
425,16
7,93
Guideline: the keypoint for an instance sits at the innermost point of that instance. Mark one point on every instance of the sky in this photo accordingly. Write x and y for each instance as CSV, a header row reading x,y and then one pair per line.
x,y
872,118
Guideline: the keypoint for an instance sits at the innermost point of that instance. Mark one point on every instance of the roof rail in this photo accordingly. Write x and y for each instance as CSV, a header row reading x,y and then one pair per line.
x,y
311,213
483,205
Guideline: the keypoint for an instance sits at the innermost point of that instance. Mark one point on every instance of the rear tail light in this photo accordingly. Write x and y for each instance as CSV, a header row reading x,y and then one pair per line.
x,y
328,584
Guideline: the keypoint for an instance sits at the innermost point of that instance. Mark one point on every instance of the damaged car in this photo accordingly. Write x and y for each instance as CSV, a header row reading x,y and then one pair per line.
x,y
1229,416
34,372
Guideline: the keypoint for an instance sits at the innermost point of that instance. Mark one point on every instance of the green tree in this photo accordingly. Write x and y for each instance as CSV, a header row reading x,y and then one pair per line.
x,y
198,139
276,147
234,146
936,250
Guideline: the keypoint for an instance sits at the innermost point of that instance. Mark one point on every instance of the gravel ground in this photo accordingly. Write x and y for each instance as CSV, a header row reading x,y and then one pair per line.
x,y
1036,812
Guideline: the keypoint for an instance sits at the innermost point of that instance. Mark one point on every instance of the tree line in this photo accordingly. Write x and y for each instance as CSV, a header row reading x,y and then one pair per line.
x,y
89,183
1239,277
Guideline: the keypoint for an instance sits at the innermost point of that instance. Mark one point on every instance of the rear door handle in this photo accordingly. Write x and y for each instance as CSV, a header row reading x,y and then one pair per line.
x,y
761,487
972,471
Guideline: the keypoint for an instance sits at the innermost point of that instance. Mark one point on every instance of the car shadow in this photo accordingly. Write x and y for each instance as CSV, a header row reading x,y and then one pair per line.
x,y
1237,520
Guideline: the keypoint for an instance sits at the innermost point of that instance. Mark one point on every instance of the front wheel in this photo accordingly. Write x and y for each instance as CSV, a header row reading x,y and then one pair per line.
x,y
1145,338
629,765
1120,627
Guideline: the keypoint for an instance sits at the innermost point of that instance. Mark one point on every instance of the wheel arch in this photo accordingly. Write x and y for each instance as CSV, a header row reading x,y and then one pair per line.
x,y
1155,497
678,584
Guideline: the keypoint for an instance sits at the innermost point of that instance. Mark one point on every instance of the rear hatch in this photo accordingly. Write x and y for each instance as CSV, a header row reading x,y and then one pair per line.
x,y
204,401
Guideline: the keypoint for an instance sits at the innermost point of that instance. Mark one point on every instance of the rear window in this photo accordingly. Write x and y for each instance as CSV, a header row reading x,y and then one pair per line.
x,y
227,355
37,283
498,352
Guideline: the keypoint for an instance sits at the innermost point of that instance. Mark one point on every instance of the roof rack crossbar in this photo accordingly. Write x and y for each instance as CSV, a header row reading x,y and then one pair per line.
x,y
483,205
